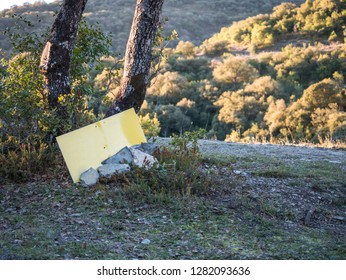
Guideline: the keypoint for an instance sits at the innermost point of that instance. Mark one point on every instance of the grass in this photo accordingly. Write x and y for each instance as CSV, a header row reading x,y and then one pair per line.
x,y
103,223
210,213
18,164
321,172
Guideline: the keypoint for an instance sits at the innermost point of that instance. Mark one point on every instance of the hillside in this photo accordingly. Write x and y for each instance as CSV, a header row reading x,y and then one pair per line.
x,y
276,77
263,202
115,16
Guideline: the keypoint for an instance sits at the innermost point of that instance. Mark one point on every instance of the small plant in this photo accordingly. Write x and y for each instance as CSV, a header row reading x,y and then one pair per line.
x,y
21,163
181,142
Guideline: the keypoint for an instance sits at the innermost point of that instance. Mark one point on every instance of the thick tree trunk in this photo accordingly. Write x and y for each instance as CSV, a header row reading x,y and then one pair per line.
x,y
57,54
138,57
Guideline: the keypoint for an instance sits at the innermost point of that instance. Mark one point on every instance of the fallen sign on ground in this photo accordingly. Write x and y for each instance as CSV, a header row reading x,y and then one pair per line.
x,y
87,147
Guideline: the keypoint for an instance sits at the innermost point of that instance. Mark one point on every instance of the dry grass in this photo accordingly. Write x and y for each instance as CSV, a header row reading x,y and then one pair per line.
x,y
256,208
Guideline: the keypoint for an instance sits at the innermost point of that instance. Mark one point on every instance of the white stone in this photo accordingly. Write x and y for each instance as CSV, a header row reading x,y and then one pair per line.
x,y
142,159
146,241
123,156
149,148
108,170
89,178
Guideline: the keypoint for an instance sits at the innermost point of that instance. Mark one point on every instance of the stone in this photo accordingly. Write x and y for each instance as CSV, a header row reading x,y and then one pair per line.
x,y
123,156
89,178
108,170
149,148
308,216
240,173
142,159
146,241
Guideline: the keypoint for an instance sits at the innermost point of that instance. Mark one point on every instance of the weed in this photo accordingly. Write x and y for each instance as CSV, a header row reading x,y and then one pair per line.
x,y
178,172
181,142
269,209
21,163
275,172
220,160
340,201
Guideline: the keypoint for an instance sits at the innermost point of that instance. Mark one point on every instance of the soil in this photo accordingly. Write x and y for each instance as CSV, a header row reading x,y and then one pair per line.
x,y
284,179
262,202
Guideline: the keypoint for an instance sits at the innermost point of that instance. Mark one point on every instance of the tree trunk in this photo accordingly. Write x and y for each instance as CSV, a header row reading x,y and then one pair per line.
x,y
138,57
57,55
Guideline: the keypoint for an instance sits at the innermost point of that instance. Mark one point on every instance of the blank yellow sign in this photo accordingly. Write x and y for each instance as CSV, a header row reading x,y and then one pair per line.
x,y
88,146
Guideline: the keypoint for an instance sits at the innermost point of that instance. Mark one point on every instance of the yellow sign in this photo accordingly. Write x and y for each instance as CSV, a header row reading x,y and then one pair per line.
x,y
88,146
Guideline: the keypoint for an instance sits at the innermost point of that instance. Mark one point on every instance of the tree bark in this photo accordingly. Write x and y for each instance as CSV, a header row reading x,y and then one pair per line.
x,y
135,80
57,54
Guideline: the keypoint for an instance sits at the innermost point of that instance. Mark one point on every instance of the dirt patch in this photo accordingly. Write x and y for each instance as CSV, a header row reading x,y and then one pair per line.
x,y
293,184
285,153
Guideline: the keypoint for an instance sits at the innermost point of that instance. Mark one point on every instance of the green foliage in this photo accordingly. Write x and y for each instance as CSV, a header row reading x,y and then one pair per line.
x,y
214,48
245,107
28,123
19,162
319,18
91,45
308,64
329,122
24,98
260,98
116,16
150,125
167,88
172,119
333,37
181,142
266,97
319,113
186,49
322,94
234,70
192,68
178,172
285,95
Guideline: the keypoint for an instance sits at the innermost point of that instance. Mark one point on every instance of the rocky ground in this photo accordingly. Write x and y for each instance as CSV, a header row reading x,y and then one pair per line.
x,y
305,182
263,202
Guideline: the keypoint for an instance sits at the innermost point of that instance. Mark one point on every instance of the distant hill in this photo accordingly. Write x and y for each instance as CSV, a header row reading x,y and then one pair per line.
x,y
277,77
194,20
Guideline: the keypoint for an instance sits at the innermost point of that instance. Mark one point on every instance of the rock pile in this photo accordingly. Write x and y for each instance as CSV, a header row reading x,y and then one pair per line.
x,y
138,155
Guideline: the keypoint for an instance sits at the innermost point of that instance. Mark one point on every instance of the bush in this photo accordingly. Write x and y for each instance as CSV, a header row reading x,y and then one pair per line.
x,y
150,125
178,172
27,123
22,163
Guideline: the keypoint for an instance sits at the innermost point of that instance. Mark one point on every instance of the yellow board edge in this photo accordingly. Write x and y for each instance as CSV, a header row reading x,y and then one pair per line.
x,y
88,146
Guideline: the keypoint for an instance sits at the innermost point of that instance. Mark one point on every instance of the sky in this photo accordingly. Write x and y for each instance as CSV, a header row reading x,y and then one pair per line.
x,y
6,4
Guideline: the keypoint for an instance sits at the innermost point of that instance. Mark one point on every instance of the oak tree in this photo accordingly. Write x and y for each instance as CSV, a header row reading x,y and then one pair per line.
x,y
57,54
138,57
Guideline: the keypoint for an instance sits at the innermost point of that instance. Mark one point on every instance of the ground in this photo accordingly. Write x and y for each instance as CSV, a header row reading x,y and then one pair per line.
x,y
263,202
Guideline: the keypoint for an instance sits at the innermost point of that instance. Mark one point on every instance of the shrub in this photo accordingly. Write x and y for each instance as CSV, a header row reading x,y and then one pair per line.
x,y
178,172
150,125
28,124
22,163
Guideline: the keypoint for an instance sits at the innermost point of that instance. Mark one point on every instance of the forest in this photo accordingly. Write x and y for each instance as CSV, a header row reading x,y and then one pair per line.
x,y
272,77
276,77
